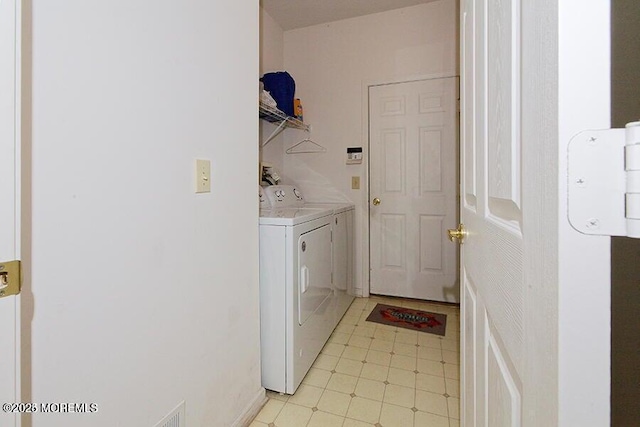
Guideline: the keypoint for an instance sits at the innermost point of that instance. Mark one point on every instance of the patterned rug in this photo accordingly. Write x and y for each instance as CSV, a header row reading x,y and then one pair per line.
x,y
423,321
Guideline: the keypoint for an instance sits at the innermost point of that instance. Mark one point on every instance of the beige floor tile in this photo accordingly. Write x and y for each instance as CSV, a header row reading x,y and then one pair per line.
x,y
452,331
364,331
351,319
306,395
452,371
381,345
430,367
349,367
403,362
324,419
398,395
364,410
425,419
370,389
334,402
342,383
451,345
348,422
339,338
432,403
384,335
454,407
385,388
432,383
345,329
378,357
429,340
396,416
405,337
453,387
333,349
429,353
354,353
372,303
270,411
293,416
374,372
383,327
358,341
359,302
402,377
278,396
409,350
363,317
326,362
452,357
416,305
317,377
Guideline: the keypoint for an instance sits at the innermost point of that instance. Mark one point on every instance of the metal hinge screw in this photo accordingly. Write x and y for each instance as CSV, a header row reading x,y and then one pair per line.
x,y
593,223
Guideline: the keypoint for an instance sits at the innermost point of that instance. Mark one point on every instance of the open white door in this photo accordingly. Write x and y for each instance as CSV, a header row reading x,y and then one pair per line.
x,y
9,212
532,75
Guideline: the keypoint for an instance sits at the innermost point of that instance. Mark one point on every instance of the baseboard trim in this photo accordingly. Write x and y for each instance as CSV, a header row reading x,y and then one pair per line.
x,y
251,410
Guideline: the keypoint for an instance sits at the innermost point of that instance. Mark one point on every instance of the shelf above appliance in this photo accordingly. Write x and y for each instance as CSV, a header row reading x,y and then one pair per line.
x,y
280,119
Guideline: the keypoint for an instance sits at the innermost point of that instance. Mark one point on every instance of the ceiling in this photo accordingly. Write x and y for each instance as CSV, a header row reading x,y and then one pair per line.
x,y
291,14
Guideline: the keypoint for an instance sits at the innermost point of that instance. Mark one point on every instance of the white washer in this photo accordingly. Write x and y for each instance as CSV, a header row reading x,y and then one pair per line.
x,y
342,226
297,300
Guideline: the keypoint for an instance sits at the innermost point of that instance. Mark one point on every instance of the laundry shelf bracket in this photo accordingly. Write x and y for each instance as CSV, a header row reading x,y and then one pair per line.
x,y
280,119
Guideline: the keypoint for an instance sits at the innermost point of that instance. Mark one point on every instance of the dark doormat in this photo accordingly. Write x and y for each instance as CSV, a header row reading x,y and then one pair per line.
x,y
423,321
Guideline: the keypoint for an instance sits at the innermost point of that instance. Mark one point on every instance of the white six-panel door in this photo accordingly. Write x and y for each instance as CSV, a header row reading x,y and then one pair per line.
x,y
491,210
9,158
413,156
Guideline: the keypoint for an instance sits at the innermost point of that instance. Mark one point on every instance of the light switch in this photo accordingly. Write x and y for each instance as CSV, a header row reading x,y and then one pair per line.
x,y
355,182
203,176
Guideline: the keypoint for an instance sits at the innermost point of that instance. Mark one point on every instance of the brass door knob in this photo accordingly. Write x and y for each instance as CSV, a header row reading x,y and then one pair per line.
x,y
376,201
458,234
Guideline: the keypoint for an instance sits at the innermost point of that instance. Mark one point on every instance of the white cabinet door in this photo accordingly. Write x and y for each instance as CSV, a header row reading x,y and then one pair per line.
x,y
413,155
9,212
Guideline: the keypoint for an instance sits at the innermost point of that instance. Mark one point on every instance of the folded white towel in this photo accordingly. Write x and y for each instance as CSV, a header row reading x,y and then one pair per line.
x,y
266,98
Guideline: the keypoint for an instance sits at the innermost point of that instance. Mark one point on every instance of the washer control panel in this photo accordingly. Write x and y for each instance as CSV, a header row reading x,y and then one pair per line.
x,y
281,196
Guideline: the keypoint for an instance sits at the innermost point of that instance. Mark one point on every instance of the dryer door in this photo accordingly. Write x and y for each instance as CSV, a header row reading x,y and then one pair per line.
x,y
314,271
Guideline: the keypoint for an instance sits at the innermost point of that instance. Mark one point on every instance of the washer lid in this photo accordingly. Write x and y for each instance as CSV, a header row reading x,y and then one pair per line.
x,y
336,207
291,216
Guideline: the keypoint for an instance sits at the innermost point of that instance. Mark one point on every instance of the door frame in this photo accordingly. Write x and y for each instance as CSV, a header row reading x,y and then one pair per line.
x,y
366,144
17,197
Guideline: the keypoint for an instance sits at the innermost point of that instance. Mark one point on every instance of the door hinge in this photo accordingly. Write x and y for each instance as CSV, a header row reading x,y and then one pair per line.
x,y
604,181
10,278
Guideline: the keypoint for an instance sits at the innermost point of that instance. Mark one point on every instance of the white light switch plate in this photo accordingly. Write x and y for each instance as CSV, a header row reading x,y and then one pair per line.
x,y
203,176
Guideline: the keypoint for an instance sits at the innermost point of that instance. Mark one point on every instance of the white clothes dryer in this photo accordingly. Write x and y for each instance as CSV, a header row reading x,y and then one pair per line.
x,y
297,298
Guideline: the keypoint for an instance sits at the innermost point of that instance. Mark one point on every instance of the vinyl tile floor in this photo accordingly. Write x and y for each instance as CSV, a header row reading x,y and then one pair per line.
x,y
370,374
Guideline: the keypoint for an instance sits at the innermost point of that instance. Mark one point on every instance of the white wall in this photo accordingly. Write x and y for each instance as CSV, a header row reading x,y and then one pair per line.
x,y
332,65
271,59
143,294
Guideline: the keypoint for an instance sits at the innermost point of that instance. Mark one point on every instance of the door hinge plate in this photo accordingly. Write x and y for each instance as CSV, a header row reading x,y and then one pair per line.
x,y
604,181
10,278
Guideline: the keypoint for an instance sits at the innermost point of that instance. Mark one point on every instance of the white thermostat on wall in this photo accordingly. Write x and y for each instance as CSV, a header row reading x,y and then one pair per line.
x,y
354,155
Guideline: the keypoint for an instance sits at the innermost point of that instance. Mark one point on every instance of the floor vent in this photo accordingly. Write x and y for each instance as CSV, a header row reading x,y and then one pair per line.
x,y
175,418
